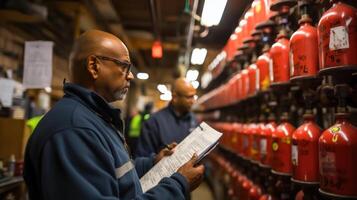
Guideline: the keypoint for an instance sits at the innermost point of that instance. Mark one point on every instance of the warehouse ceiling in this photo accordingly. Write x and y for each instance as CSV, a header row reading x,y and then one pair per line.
x,y
137,22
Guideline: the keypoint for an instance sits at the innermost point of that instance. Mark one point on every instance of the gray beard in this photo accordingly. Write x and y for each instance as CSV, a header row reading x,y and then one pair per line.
x,y
120,95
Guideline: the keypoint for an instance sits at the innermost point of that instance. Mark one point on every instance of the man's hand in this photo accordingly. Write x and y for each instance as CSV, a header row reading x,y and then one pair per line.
x,y
167,151
192,173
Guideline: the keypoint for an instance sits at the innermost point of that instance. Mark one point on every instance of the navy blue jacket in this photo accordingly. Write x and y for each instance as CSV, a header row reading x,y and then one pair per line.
x,y
77,152
164,127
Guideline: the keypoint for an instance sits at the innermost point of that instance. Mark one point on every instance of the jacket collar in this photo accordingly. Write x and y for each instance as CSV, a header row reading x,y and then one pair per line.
x,y
94,102
172,110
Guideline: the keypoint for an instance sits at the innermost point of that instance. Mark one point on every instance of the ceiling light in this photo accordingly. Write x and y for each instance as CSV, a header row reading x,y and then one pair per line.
x,y
198,56
206,79
166,96
248,14
217,60
162,88
192,75
142,75
195,84
48,89
242,22
212,12
238,29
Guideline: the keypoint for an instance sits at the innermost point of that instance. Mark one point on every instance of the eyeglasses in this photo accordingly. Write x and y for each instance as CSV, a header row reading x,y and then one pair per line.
x,y
186,96
123,64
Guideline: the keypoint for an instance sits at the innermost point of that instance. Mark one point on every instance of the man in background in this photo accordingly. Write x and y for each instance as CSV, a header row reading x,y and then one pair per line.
x,y
136,123
171,124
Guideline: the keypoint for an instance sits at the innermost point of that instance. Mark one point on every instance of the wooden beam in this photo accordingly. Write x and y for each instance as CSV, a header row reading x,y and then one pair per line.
x,y
18,17
116,29
145,44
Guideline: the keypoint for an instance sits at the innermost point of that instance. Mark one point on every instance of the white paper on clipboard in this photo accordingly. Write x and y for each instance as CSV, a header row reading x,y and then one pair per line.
x,y
201,141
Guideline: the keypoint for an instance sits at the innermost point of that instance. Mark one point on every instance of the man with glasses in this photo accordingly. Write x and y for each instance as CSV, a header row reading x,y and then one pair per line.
x,y
78,150
171,124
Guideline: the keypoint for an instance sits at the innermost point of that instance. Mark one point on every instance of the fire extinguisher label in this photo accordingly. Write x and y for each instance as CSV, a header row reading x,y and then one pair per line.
x,y
338,38
328,163
263,146
294,155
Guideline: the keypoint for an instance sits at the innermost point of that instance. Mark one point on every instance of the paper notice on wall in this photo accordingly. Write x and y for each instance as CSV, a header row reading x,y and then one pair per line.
x,y
7,87
339,38
38,64
201,141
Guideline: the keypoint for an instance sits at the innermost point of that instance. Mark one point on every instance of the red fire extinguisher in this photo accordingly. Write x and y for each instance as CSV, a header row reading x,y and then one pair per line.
x,y
245,83
304,50
253,74
304,151
258,137
280,56
255,193
239,86
282,5
239,147
254,138
266,144
236,138
337,155
264,65
266,197
281,145
337,34
247,142
245,188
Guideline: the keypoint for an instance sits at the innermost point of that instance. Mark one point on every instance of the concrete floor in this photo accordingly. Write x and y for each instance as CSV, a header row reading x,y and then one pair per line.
x,y
203,192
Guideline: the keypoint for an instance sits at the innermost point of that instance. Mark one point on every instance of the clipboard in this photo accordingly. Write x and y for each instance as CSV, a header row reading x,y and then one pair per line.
x,y
202,141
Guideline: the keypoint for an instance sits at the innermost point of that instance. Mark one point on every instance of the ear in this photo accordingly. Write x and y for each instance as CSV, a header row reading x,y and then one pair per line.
x,y
93,67
174,97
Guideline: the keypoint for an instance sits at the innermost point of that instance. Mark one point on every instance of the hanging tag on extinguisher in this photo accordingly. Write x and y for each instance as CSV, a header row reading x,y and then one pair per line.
x,y
339,38
294,154
291,60
263,146
271,71
257,79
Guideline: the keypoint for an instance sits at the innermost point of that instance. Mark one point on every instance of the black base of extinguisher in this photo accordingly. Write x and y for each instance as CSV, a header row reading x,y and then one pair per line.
x,y
268,180
282,188
307,83
278,86
276,6
248,40
309,189
345,69
256,33
265,24
304,183
304,78
244,47
329,196
256,177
